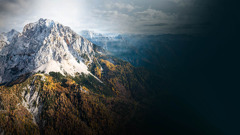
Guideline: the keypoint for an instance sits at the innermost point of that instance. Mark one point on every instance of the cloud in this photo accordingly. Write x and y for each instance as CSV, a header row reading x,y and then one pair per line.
x,y
14,7
154,21
152,14
124,6
111,14
183,3
111,20
156,24
120,16
17,13
13,13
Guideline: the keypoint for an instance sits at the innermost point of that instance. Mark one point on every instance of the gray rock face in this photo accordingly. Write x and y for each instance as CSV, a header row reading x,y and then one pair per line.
x,y
44,46
6,38
32,101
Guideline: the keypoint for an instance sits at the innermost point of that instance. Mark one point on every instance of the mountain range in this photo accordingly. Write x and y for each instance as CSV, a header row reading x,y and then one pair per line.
x,y
157,53
54,81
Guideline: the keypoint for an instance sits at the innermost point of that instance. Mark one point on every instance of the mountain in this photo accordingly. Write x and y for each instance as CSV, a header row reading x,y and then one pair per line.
x,y
107,41
44,46
54,81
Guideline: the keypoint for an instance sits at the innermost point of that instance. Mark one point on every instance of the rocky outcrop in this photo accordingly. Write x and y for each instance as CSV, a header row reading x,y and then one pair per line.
x,y
32,101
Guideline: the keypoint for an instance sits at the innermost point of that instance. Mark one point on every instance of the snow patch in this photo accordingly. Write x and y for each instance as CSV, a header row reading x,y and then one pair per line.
x,y
70,67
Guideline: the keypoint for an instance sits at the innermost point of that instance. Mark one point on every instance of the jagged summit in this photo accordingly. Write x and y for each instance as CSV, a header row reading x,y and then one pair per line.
x,y
45,46
8,36
44,23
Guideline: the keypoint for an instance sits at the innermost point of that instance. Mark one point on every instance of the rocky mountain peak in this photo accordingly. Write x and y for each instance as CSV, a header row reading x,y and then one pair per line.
x,y
45,46
8,36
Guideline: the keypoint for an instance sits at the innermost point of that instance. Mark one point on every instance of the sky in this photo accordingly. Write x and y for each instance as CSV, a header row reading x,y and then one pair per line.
x,y
109,16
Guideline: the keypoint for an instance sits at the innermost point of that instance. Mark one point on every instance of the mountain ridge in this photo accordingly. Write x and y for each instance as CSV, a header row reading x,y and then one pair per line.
x,y
43,45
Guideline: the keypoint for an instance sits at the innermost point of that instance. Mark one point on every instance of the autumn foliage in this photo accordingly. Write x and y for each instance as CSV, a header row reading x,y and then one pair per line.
x,y
75,105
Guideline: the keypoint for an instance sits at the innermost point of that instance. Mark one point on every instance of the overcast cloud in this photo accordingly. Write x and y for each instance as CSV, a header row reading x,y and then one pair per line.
x,y
118,16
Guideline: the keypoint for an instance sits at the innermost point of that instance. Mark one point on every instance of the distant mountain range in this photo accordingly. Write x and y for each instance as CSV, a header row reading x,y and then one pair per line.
x,y
107,41
154,52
